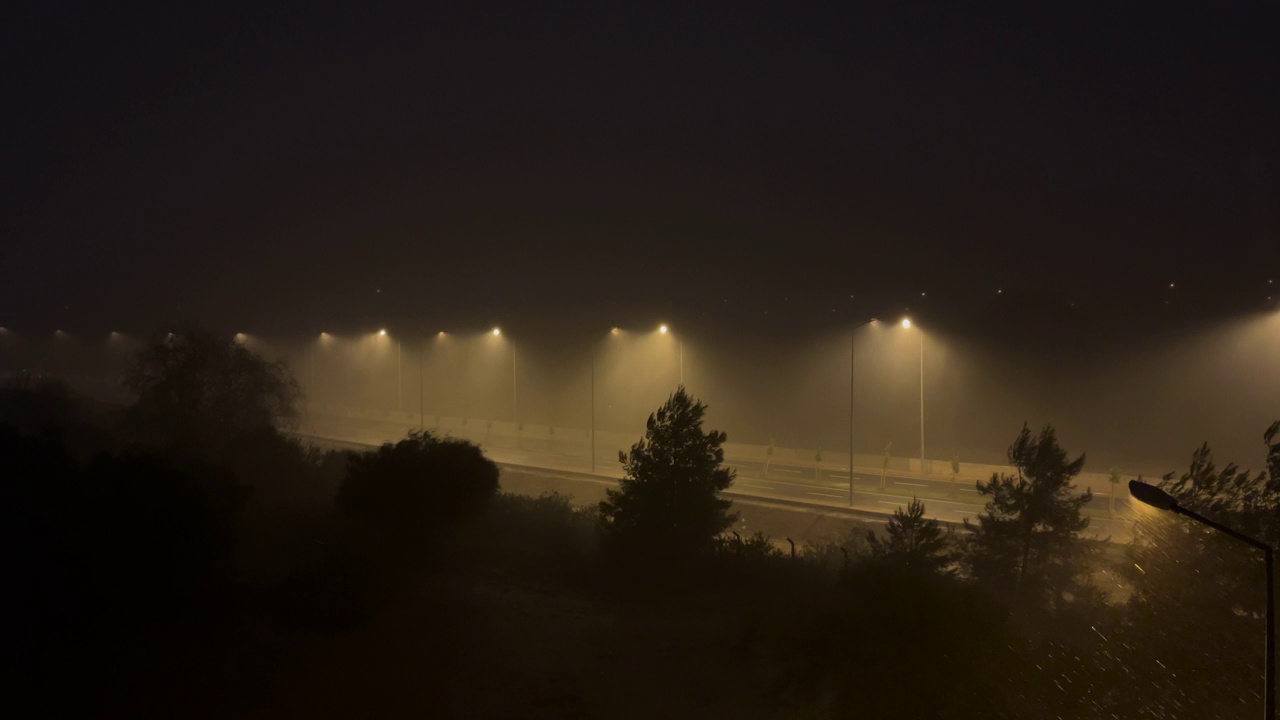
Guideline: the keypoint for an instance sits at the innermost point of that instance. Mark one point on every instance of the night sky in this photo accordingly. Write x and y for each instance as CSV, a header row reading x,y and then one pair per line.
x,y
300,167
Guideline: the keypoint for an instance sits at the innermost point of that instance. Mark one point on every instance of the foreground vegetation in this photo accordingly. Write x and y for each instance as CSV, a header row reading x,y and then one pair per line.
x,y
185,557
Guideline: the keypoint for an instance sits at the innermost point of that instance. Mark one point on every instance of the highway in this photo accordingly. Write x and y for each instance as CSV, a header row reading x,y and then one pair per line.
x,y
795,485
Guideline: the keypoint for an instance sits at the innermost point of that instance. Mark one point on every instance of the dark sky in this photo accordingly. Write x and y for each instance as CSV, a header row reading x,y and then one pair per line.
x,y
304,167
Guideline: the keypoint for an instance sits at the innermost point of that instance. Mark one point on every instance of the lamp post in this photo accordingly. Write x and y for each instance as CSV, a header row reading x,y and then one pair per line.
x,y
592,435
422,352
906,324
663,329
594,356
515,407
1157,498
852,347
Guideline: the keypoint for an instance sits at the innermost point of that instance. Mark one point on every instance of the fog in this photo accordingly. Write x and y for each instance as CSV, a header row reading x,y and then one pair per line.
x,y
1141,409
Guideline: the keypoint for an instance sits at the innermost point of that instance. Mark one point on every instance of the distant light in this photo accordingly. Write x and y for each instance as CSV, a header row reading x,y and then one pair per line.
x,y
1170,284
614,330
663,329
999,292
440,334
324,335
497,331
241,337
906,323
382,333
921,294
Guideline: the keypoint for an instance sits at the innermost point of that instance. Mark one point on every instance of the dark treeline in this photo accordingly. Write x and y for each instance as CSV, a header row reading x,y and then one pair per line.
x,y
184,556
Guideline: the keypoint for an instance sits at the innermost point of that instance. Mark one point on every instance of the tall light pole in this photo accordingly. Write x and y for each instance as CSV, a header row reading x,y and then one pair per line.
x,y
853,344
663,329
592,434
906,324
1157,498
515,406
422,352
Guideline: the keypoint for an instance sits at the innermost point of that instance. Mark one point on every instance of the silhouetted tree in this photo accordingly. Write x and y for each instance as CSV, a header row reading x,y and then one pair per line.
x,y
1198,595
913,541
197,388
668,503
405,495
1026,544
94,553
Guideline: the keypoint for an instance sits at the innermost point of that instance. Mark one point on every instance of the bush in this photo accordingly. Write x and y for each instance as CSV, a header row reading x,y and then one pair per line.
x,y
94,554
544,537
407,494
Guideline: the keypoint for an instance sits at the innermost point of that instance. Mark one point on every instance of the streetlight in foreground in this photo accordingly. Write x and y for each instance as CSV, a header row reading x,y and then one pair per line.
x,y
1157,498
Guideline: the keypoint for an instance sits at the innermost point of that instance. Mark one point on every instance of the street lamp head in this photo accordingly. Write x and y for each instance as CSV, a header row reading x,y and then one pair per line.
x,y
1152,495
497,331
906,323
662,329
613,330
382,333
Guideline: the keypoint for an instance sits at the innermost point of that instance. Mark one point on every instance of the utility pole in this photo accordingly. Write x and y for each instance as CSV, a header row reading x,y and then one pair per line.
x,y
852,345
422,351
593,411
921,333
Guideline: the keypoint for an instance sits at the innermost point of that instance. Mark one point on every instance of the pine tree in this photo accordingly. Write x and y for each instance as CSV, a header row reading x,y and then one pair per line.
x,y
913,541
668,503
1026,545
1193,582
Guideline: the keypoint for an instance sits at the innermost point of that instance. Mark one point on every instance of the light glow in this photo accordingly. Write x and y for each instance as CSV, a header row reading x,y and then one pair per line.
x,y
906,323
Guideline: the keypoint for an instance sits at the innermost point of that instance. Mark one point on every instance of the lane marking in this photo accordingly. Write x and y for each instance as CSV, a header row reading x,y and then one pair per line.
x,y
838,475
895,482
826,494
793,472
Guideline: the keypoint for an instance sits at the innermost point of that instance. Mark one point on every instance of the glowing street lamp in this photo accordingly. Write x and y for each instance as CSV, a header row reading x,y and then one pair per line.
x,y
906,325
1159,499
663,329
515,406
399,374
852,347
613,332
